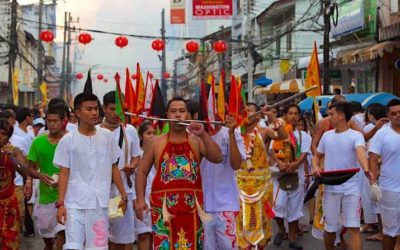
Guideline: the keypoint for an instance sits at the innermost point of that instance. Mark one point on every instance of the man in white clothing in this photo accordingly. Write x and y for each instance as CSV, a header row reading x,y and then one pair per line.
x,y
87,160
122,231
342,147
386,144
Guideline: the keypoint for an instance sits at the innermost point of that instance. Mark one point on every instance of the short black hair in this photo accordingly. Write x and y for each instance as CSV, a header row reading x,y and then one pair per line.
x,y
142,128
338,98
6,126
63,106
343,107
22,114
109,98
193,107
84,97
393,102
56,100
337,91
254,105
377,110
356,107
5,114
61,112
286,109
177,99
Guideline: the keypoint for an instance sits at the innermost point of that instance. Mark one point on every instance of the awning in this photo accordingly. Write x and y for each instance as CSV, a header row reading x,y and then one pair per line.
x,y
369,53
290,86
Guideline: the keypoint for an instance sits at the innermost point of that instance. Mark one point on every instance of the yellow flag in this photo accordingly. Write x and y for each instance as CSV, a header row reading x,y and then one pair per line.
x,y
140,90
221,97
43,91
312,78
15,89
210,79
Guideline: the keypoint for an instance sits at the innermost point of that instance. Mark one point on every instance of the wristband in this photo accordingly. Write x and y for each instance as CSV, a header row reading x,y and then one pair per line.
x,y
59,204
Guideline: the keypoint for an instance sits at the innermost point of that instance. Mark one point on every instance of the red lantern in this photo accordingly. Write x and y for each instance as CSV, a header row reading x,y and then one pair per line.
x,y
158,44
79,76
134,76
166,75
106,80
46,36
192,47
100,77
84,38
220,46
121,41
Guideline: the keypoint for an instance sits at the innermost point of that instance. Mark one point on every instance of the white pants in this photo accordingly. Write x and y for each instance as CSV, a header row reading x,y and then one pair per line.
x,y
336,203
87,229
220,233
122,231
366,201
45,218
289,204
390,213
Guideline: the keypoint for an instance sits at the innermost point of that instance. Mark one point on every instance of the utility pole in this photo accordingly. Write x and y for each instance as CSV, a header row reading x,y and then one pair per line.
x,y
249,44
164,86
63,76
12,54
40,47
68,63
327,29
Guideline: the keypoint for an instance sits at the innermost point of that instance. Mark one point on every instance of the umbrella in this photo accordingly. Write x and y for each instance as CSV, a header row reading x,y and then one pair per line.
x,y
336,177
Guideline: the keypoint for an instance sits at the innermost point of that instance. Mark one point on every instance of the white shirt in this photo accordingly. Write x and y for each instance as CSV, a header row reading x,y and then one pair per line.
x,y
133,151
150,179
21,143
386,144
305,147
220,191
70,127
359,119
340,154
89,159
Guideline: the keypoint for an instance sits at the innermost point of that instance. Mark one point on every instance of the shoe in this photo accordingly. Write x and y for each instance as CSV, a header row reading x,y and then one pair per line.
x,y
278,239
295,245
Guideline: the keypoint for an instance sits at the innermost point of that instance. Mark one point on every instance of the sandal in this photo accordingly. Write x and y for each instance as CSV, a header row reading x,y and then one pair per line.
x,y
367,229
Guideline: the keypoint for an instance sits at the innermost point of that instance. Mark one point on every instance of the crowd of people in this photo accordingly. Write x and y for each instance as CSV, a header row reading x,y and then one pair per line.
x,y
88,181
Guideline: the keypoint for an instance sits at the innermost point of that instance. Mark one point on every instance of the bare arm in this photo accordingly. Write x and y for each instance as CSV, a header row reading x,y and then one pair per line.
x,y
374,165
62,189
210,149
316,163
317,135
234,153
293,166
363,160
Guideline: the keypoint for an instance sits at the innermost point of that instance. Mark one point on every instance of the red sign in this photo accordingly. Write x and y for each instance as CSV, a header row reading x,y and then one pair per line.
x,y
209,9
178,11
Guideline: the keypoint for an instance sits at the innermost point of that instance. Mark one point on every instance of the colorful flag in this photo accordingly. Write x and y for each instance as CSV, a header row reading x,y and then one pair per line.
x,y
203,112
242,113
211,102
140,90
130,97
119,109
88,84
233,105
43,91
313,79
210,79
148,99
158,108
221,97
15,90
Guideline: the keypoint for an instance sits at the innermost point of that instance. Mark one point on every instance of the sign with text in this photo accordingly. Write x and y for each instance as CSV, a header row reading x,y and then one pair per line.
x,y
212,9
178,13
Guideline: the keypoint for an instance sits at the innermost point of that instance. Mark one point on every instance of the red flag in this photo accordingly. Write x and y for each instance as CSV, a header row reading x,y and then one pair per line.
x,y
233,106
203,112
140,90
130,97
242,113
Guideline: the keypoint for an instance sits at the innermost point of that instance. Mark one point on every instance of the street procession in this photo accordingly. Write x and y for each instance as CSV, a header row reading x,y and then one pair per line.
x,y
199,124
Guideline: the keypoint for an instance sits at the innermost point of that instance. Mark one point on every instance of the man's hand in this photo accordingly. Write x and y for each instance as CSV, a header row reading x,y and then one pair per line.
x,y
61,215
292,168
283,166
196,128
128,169
47,180
267,112
123,204
28,190
316,171
370,176
231,123
140,209
379,123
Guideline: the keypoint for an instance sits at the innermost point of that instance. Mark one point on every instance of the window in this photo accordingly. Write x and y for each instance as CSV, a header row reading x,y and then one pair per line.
x,y
394,6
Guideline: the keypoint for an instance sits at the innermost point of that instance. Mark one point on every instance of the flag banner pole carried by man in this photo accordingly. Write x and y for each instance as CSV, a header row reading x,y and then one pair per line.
x,y
130,96
88,84
221,97
119,109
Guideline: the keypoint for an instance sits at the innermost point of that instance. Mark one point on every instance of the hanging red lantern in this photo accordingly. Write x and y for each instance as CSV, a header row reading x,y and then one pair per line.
x,y
46,36
100,77
79,76
158,44
134,76
106,80
84,38
166,75
121,41
192,47
220,46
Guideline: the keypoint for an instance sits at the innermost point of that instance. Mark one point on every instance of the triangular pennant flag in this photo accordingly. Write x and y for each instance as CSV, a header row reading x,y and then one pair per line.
x,y
158,108
148,94
233,106
242,113
119,109
203,112
221,97
140,90
313,79
130,97
88,84
211,103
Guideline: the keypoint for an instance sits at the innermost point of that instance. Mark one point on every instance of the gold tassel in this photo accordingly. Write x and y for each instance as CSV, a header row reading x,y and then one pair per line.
x,y
166,215
204,217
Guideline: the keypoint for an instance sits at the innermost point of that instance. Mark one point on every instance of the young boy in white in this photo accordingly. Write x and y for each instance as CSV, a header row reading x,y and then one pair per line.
x,y
87,159
341,148
386,144
289,204
221,195
122,230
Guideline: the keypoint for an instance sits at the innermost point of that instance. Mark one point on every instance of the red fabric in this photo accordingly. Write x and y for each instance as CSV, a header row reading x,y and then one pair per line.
x,y
9,223
7,175
233,106
178,179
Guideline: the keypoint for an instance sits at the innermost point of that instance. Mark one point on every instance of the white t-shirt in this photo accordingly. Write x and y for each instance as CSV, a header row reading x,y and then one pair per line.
x,y
386,143
219,182
150,179
21,143
133,151
305,147
340,154
359,119
70,127
89,159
